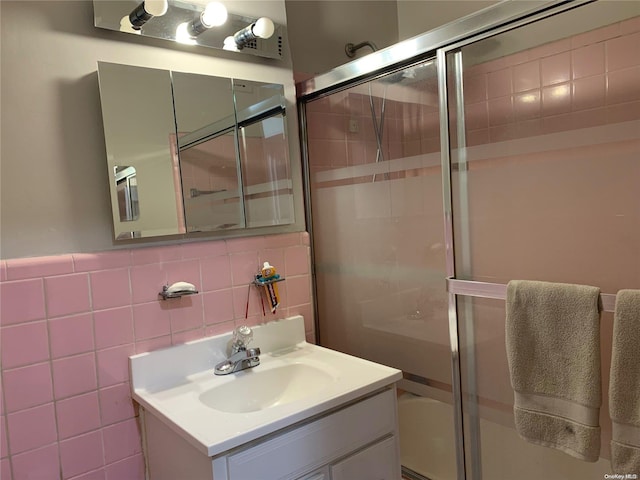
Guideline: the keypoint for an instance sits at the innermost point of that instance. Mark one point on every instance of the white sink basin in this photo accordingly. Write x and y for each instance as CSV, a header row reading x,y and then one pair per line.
x,y
256,389
215,413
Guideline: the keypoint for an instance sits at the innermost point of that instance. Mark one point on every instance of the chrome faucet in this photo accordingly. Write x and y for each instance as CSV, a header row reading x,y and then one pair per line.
x,y
241,357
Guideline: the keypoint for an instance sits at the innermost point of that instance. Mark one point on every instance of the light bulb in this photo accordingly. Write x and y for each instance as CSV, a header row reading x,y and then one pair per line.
x,y
214,15
230,44
126,26
156,8
146,11
183,36
263,27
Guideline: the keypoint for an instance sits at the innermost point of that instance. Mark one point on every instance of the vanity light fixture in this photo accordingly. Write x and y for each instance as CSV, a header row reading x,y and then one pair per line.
x,y
146,11
214,15
261,28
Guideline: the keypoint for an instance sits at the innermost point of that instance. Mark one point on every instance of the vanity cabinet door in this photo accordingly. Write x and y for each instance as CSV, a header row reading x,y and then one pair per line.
x,y
378,462
318,443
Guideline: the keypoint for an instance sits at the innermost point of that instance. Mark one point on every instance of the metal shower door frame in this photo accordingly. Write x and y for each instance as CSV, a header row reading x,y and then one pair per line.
x,y
439,44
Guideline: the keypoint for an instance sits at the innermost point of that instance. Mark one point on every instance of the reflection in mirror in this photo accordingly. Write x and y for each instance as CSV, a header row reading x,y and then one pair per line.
x,y
127,188
210,184
205,119
139,127
267,181
264,157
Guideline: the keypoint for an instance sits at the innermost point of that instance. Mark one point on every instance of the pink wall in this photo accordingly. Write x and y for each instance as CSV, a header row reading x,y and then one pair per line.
x,y
69,322
582,81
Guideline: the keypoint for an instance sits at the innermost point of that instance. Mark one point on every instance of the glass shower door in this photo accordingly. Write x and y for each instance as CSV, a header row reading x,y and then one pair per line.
x,y
545,149
376,199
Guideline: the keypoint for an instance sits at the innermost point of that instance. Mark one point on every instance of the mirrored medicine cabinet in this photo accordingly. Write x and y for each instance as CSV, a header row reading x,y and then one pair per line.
x,y
190,153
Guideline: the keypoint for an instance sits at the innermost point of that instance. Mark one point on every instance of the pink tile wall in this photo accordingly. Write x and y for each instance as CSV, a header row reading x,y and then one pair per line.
x,y
588,80
68,324
342,133
583,81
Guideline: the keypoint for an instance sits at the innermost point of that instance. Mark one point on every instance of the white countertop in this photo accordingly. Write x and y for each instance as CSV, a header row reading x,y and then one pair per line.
x,y
168,383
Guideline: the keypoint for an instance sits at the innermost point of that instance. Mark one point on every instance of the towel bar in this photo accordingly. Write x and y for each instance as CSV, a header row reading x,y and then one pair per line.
x,y
498,291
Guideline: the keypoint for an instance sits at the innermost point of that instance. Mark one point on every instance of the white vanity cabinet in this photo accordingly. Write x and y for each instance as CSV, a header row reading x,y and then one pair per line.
x,y
304,413
357,441
377,462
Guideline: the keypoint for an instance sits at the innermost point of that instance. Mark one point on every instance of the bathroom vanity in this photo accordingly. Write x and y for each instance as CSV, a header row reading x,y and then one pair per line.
x,y
304,413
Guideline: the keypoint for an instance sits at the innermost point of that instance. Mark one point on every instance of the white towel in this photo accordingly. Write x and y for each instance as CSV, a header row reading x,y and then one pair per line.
x,y
553,350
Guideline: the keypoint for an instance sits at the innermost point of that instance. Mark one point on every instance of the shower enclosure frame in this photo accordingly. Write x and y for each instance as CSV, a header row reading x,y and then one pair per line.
x,y
436,45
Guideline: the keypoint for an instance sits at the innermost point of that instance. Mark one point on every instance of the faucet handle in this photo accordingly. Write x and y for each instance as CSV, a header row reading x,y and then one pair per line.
x,y
242,336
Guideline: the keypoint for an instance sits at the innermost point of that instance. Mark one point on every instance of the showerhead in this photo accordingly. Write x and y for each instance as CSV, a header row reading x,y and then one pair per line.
x,y
350,49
